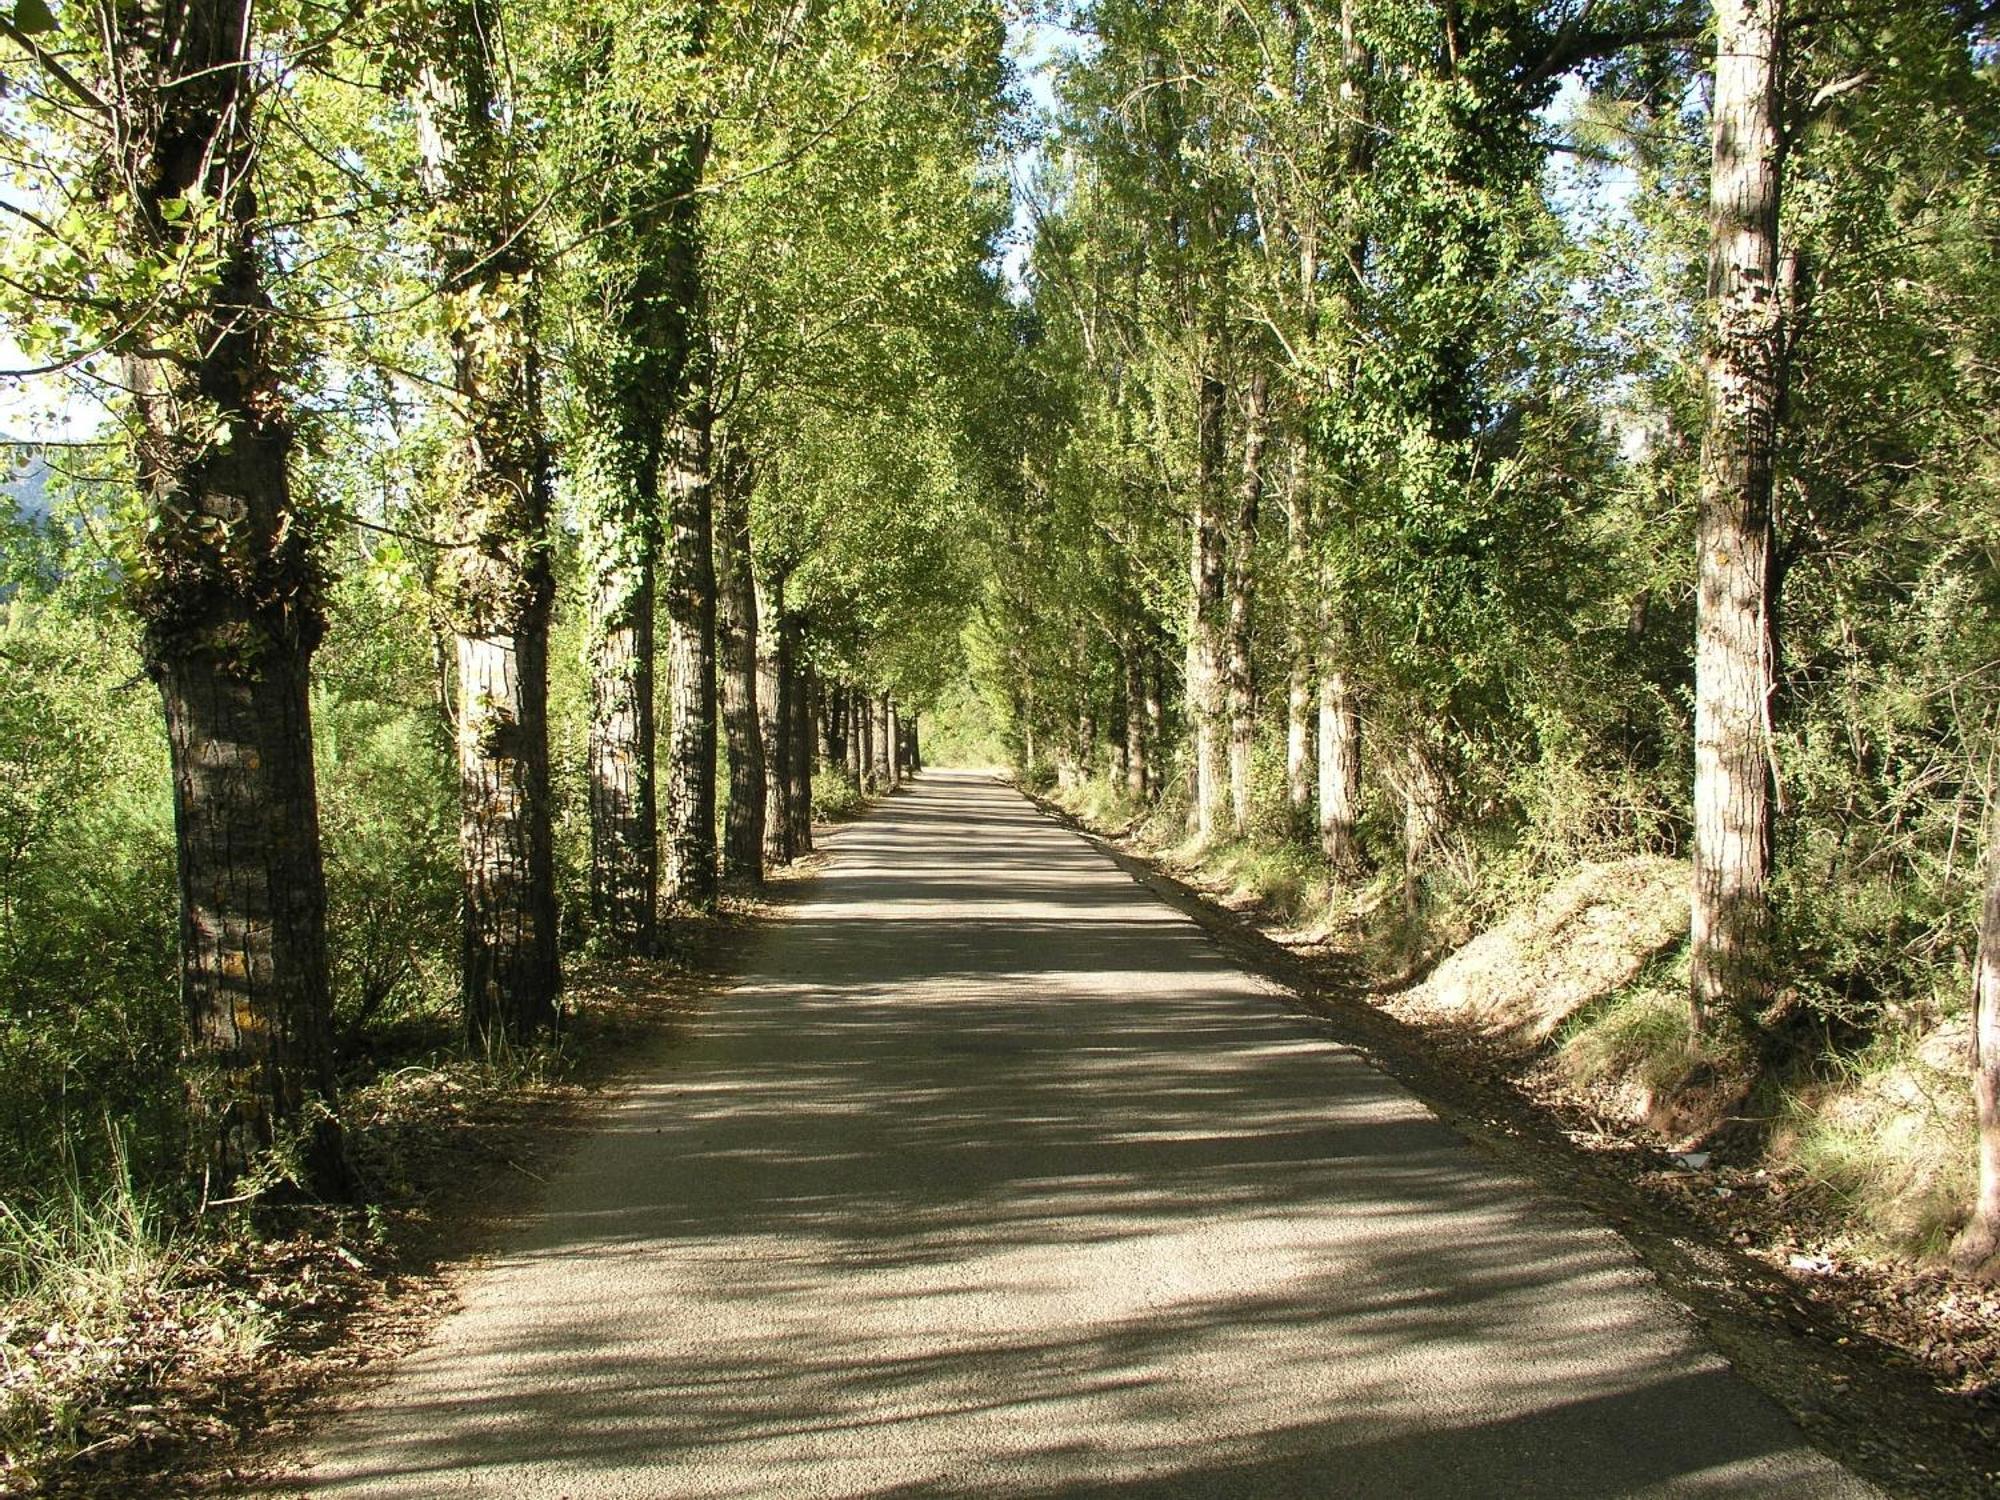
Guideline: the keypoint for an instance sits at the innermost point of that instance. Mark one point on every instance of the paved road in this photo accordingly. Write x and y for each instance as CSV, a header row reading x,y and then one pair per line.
x,y
993,1179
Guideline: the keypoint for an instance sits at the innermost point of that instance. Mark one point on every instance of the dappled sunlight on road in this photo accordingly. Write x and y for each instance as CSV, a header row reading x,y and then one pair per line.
x,y
994,1178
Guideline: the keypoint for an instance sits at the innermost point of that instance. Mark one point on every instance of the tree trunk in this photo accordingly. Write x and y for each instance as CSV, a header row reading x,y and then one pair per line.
x,y
892,738
826,708
1121,750
797,687
624,819
231,602
1206,669
851,706
736,631
1242,684
629,370
1298,645
914,752
1421,806
254,981
1339,772
1137,776
614,463
511,975
1156,715
1730,968
774,720
882,765
497,580
691,862
864,740
1976,1252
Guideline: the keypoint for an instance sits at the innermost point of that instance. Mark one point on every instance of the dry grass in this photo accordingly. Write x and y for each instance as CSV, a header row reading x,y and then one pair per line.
x,y
1587,938
1892,1132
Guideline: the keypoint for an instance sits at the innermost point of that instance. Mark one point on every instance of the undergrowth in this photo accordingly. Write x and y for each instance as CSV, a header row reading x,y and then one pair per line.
x,y
1891,1132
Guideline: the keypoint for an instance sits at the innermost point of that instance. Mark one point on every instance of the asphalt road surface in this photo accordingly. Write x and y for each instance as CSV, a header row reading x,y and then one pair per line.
x,y
994,1179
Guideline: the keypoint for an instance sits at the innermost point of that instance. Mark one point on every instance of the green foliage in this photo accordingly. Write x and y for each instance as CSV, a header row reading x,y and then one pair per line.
x,y
961,729
835,794
388,809
90,1031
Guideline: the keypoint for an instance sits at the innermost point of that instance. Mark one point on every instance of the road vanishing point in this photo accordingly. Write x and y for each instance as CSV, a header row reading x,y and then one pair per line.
x,y
992,1177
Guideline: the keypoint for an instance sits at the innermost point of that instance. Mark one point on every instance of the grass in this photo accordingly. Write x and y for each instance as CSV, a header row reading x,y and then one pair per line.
x,y
1639,1036
1891,1134
107,1313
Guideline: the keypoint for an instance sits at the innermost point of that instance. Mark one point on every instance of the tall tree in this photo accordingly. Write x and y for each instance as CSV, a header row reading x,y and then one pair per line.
x,y
691,615
1730,971
497,580
1242,585
1976,1251
774,722
1207,648
634,160
736,629
228,584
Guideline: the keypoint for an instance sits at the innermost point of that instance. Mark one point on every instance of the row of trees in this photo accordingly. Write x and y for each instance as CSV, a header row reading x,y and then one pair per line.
x,y
677,312
1484,377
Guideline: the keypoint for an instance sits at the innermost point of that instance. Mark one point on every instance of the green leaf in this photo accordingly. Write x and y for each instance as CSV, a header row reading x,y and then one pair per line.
x,y
32,17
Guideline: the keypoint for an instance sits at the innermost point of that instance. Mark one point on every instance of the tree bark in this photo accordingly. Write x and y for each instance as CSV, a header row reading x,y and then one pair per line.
x,y
797,687
1976,1251
230,596
736,631
1206,670
1339,742
615,468
691,855
1137,775
1298,646
882,765
892,740
851,706
1730,968
864,739
1421,806
497,580
1242,686
1339,771
629,371
774,722
1156,715
826,709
